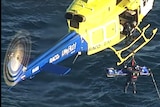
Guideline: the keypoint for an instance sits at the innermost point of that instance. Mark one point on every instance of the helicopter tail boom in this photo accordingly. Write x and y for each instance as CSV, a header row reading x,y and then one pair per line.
x,y
72,44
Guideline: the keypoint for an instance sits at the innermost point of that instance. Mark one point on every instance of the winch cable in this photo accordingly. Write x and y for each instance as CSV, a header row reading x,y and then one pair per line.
x,y
155,84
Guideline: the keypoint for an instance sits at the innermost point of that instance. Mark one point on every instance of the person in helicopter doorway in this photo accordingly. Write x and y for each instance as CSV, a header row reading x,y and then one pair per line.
x,y
129,29
132,75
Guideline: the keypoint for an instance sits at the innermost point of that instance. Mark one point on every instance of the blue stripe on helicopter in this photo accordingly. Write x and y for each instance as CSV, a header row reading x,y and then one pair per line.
x,y
57,69
71,44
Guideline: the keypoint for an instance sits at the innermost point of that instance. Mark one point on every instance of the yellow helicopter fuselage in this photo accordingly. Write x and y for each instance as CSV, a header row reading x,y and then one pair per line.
x,y
100,22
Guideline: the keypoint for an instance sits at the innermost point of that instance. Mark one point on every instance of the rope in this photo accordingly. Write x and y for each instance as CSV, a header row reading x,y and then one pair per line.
x,y
154,82
132,61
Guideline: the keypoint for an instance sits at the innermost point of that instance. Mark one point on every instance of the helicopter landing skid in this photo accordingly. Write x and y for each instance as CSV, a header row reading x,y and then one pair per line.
x,y
141,36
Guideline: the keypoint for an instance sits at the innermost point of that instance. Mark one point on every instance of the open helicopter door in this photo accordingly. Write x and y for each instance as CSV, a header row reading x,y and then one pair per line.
x,y
146,6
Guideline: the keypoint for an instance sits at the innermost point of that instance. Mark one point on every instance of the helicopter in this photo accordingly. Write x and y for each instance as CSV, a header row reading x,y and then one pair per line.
x,y
93,26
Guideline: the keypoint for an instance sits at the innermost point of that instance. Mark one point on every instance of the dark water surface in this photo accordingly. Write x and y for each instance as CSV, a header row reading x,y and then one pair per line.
x,y
86,85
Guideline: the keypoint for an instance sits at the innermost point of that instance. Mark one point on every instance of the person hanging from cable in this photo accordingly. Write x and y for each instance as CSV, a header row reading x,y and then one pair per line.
x,y
132,70
132,75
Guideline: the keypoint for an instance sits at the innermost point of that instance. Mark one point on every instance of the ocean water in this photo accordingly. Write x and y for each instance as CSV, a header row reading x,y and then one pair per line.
x,y
86,85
